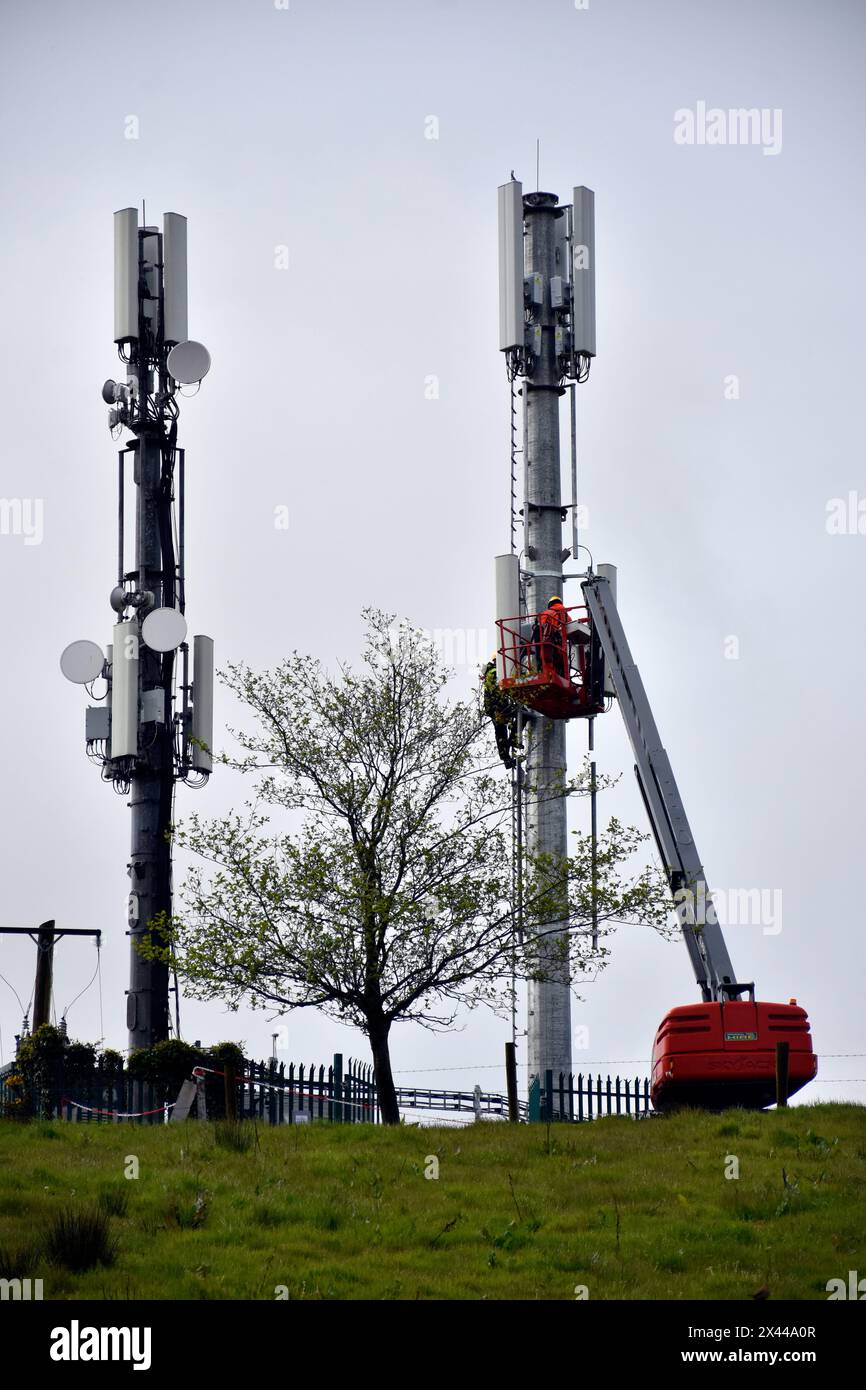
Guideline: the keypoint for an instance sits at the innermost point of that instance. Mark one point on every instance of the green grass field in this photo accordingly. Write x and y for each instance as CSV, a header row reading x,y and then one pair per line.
x,y
631,1210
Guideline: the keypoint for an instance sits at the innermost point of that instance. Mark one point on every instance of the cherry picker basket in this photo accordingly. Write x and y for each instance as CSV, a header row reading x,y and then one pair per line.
x,y
555,668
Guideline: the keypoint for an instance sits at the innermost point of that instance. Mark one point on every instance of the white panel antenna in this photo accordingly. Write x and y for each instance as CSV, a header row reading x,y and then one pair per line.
x,y
202,703
507,606
175,328
583,266
510,265
125,275
124,690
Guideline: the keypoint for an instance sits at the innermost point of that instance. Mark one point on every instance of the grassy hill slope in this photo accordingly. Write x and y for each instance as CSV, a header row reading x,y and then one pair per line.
x,y
628,1209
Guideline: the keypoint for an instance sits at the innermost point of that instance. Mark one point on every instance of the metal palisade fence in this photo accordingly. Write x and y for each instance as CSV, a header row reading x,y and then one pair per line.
x,y
280,1094
275,1093
576,1098
290,1093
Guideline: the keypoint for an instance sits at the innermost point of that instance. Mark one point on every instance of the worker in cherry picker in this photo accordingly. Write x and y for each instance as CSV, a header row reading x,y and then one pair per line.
x,y
552,636
502,711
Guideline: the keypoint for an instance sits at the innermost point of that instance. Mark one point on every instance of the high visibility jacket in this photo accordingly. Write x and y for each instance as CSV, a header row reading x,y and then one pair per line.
x,y
554,626
557,617
496,702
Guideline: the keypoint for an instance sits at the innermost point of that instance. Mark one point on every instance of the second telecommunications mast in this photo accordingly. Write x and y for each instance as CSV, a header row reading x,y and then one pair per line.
x,y
153,724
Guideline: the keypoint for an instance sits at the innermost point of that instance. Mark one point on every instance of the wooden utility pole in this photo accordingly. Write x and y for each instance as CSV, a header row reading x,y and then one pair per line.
x,y
45,938
44,975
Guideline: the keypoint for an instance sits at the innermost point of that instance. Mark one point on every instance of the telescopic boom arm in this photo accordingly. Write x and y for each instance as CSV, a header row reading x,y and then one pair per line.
x,y
682,865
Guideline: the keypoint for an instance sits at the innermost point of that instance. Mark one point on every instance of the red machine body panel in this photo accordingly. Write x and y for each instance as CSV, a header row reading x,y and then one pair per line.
x,y
720,1054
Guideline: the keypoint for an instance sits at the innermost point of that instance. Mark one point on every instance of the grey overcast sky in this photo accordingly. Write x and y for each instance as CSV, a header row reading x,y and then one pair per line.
x,y
722,417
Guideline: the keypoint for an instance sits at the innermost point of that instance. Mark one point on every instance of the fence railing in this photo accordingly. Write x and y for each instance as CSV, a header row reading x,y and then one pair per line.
x,y
481,1102
577,1098
290,1093
91,1099
279,1094
276,1093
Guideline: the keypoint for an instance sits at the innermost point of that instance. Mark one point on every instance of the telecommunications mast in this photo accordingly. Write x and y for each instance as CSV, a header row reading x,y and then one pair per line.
x,y
153,723
563,662
547,332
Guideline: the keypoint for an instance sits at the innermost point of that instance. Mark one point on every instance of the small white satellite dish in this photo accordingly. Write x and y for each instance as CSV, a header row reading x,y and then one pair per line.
x,y
81,662
188,362
164,629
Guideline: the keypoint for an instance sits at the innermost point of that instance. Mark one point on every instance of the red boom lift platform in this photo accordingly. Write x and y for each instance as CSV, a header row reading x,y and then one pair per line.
x,y
721,1051
554,668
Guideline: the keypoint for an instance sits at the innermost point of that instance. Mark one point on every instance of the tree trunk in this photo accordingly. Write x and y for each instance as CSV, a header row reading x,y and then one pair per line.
x,y
378,1033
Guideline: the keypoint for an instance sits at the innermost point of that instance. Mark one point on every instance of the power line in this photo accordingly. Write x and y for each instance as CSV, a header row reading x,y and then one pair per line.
x,y
596,1062
86,987
14,991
